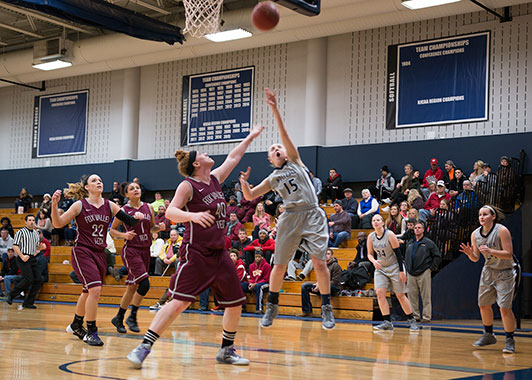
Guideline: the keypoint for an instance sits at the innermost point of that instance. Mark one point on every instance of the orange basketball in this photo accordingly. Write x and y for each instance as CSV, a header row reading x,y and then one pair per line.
x,y
265,15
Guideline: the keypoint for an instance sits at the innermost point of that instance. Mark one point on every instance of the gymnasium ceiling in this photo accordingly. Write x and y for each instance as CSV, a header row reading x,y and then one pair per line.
x,y
96,49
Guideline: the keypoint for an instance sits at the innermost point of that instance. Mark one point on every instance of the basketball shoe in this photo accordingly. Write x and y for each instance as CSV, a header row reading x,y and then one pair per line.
x,y
327,317
227,355
138,354
269,315
485,340
78,331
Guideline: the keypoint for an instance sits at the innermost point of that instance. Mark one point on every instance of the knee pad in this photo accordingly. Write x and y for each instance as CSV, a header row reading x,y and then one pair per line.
x,y
144,286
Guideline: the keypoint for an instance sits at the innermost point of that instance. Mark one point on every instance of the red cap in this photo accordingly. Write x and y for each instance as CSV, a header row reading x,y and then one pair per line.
x,y
434,161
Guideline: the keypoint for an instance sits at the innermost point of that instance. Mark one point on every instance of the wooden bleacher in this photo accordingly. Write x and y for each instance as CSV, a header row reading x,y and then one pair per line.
x,y
61,289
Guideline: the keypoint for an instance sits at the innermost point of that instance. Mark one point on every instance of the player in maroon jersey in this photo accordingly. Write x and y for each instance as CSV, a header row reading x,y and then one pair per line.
x,y
93,215
135,255
204,263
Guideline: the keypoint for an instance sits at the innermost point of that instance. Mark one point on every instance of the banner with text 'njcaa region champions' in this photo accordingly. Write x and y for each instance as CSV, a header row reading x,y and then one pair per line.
x,y
217,107
439,81
60,124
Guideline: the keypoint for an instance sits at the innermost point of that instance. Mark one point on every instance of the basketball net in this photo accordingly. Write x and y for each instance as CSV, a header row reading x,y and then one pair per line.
x,y
202,17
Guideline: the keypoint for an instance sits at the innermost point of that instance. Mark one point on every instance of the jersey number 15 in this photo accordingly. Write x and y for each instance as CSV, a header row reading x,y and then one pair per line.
x,y
293,186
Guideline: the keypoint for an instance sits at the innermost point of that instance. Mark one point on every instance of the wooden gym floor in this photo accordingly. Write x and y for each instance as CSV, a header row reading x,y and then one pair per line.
x,y
34,345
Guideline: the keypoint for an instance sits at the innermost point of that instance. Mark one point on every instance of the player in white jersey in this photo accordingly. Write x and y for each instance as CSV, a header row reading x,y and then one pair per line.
x,y
500,274
303,224
389,272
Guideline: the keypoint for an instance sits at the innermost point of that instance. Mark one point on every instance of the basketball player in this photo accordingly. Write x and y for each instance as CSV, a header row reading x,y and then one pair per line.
x,y
93,215
204,263
389,270
499,277
135,255
303,224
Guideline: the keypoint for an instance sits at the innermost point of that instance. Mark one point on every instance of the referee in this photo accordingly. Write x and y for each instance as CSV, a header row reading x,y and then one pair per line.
x,y
26,245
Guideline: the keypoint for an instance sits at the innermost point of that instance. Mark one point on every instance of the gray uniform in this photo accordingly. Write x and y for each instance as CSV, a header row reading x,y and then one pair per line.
x,y
303,224
498,277
389,274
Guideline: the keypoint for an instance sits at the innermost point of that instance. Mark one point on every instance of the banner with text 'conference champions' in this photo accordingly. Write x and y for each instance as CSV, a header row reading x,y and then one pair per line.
x,y
60,124
438,82
217,107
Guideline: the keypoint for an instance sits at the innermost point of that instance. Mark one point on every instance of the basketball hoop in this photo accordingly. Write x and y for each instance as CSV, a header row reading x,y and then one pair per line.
x,y
202,17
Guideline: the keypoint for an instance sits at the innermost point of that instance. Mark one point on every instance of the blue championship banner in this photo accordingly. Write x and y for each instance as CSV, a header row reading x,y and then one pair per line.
x,y
438,82
60,124
217,107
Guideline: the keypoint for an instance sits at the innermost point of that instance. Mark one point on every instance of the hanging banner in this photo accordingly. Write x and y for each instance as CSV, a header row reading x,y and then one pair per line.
x,y
438,81
60,124
217,107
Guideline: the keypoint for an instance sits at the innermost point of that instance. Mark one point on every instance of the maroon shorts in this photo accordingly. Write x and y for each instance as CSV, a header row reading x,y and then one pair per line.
x,y
90,266
137,262
198,272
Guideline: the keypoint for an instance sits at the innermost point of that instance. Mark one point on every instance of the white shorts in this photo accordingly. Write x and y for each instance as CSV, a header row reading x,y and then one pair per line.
x,y
388,278
497,286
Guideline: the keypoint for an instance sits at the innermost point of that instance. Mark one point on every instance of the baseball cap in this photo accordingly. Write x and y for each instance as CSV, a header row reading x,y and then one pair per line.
x,y
434,161
263,230
440,183
337,202
348,189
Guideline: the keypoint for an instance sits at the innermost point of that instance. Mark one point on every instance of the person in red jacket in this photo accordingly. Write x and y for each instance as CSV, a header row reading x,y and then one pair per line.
x,y
433,203
239,265
264,244
258,278
432,175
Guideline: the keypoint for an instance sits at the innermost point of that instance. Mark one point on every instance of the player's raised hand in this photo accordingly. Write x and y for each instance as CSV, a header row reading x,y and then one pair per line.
x,y
256,130
466,248
244,176
204,218
56,197
271,97
138,215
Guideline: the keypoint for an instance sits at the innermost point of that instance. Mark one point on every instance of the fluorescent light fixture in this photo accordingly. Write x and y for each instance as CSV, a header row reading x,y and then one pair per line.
x,y
418,4
228,35
52,65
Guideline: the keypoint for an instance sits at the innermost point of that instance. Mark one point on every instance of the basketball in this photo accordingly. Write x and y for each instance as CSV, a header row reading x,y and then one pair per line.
x,y
265,15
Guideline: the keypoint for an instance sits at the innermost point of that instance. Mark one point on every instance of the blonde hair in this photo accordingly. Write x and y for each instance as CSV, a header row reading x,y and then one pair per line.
x,y
77,190
257,210
479,170
413,194
415,211
182,159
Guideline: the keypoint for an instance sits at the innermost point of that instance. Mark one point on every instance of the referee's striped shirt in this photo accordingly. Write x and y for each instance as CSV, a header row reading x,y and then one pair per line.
x,y
27,240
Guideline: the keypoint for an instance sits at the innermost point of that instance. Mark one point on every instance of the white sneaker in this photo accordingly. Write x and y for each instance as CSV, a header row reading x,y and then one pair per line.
x,y
156,307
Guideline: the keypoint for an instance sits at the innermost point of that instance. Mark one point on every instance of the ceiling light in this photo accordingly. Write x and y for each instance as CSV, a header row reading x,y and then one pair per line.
x,y
228,35
52,65
418,4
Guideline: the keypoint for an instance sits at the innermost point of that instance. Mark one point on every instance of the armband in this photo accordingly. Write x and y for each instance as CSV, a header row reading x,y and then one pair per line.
x,y
127,219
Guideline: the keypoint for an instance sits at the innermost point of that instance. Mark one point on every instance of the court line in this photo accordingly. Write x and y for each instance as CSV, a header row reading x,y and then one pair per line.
x,y
519,374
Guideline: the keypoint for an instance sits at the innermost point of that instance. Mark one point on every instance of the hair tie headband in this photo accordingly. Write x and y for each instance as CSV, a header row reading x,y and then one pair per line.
x,y
191,159
491,208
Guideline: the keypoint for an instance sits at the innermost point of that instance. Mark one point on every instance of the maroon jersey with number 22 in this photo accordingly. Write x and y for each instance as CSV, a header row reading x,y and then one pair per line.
x,y
93,223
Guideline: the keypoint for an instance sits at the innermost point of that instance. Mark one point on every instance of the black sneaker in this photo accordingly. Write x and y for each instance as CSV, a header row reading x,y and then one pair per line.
x,y
79,331
485,340
29,306
119,324
92,339
9,300
131,322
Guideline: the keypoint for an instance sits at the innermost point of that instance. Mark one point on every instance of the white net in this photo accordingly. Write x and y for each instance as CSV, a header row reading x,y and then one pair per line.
x,y
202,17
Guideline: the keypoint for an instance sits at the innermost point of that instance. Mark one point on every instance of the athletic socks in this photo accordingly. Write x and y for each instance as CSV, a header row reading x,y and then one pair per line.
x,y
228,338
273,297
488,329
121,313
387,318
409,316
78,321
150,337
134,310
91,326
509,334
326,299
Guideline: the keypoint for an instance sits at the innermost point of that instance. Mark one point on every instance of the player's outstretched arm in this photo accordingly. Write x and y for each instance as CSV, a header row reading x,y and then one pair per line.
x,y
291,149
59,221
252,193
233,158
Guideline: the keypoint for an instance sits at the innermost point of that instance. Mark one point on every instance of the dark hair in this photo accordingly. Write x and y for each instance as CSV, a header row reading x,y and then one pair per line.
x,y
422,223
5,218
243,229
455,169
233,250
124,186
499,215
29,216
232,212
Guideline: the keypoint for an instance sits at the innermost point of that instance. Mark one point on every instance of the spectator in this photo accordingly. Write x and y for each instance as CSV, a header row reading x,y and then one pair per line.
x,y
161,218
232,206
412,214
301,260
409,233
444,219
278,212
43,256
333,187
23,202
232,227
66,202
466,205
59,233
433,174
115,195
487,179
394,221
156,245
239,264
9,273
422,258
457,183
336,278
168,253
367,207
44,224
434,202
361,258
477,170
350,205
240,245
385,185
6,242
6,224
507,184
159,201
271,201
69,232
339,225
46,204
403,208
258,278
261,220
248,209
448,175
402,188
263,244
316,182
142,189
